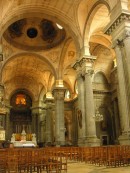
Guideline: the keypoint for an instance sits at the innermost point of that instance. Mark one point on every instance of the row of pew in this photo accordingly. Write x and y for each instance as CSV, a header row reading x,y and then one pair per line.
x,y
55,159
29,160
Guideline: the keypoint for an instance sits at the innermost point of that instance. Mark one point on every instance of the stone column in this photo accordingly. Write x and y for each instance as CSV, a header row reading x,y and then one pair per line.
x,y
8,133
69,131
119,30
74,126
117,122
34,122
49,124
87,71
59,93
81,104
123,102
39,126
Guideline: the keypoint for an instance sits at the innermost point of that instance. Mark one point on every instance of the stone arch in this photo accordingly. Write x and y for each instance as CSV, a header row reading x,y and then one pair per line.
x,y
65,47
87,29
100,78
24,90
29,53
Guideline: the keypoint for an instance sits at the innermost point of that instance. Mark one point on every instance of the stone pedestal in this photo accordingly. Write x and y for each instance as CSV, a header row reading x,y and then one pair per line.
x,y
124,139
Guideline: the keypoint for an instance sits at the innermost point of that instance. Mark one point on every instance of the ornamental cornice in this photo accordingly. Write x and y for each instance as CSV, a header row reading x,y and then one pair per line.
x,y
122,17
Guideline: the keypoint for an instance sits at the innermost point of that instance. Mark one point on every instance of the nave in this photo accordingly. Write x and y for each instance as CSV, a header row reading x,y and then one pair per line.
x,y
65,159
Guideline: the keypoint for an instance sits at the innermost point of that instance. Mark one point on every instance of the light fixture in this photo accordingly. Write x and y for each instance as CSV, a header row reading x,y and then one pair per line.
x,y
59,26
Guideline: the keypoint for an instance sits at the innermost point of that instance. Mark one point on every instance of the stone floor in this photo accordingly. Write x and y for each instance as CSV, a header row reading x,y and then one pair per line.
x,y
85,168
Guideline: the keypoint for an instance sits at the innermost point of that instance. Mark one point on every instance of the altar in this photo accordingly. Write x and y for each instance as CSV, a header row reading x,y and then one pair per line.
x,y
24,144
24,140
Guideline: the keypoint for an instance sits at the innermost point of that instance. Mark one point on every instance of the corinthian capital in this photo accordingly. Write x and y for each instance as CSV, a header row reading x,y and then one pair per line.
x,y
120,43
59,93
87,60
76,65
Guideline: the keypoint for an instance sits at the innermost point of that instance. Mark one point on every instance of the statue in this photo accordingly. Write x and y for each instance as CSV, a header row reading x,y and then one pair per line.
x,y
13,137
34,137
23,135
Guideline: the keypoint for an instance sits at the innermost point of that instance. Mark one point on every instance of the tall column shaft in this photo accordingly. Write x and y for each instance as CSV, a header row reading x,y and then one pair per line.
x,y
117,123
123,107
87,71
59,93
43,127
89,105
34,122
81,105
48,121
123,98
7,127
126,58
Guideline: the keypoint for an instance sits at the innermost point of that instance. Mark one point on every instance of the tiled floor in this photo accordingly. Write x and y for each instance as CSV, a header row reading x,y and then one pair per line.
x,y
85,168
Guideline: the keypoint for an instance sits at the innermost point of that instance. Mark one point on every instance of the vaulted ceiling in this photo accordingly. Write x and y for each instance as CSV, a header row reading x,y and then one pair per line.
x,y
41,40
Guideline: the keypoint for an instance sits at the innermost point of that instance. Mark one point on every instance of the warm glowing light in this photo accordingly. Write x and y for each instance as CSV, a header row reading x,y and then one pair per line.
x,y
59,26
115,63
20,99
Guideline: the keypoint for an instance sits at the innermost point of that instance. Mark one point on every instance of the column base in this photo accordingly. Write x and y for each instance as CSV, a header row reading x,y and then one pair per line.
x,y
124,139
93,141
60,143
82,141
89,141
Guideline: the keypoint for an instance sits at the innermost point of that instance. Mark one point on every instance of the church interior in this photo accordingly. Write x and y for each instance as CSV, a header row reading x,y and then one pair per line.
x,y
65,77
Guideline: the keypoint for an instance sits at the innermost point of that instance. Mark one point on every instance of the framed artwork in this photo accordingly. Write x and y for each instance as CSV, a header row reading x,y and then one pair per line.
x,y
2,135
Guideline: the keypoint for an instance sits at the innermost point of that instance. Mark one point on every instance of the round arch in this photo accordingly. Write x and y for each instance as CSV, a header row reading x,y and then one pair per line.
x,y
30,94
94,9
19,54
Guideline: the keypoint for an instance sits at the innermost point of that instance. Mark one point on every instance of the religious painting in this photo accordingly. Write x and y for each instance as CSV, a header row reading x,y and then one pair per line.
x,y
20,99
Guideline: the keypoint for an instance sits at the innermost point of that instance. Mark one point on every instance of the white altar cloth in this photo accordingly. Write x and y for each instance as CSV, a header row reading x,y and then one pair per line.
x,y
24,144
